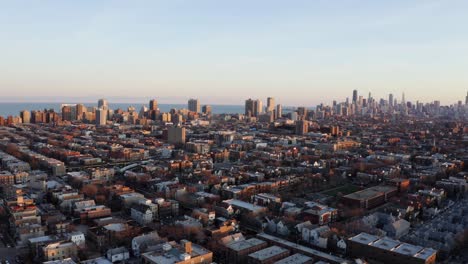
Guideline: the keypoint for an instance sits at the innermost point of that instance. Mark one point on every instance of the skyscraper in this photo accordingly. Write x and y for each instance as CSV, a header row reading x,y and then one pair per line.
x,y
206,109
302,112
194,105
101,117
68,112
390,99
270,104
80,110
153,104
355,96
279,111
25,116
249,107
102,103
466,99
258,106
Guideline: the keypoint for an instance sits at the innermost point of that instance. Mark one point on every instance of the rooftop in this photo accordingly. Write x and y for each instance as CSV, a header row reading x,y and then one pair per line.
x,y
386,243
408,249
370,192
267,253
304,250
244,244
245,205
364,238
295,259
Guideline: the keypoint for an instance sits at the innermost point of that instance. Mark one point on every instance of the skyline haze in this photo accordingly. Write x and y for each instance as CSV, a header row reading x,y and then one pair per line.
x,y
300,52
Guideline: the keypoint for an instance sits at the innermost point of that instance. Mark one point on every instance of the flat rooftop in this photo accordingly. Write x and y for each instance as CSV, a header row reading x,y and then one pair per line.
x,y
244,244
295,259
370,192
386,243
392,245
245,205
425,253
408,249
302,249
364,238
364,194
268,252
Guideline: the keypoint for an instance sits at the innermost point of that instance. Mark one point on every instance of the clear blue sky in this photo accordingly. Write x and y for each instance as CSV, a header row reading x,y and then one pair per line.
x,y
300,52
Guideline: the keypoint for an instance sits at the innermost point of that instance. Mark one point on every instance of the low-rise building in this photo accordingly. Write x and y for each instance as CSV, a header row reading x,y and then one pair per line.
x,y
267,255
387,250
60,251
183,253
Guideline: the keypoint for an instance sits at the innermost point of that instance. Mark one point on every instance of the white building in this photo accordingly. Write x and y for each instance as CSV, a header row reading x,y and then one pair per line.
x,y
117,254
78,238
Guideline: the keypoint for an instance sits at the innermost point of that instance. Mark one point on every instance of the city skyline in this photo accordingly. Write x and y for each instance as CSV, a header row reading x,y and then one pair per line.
x,y
300,52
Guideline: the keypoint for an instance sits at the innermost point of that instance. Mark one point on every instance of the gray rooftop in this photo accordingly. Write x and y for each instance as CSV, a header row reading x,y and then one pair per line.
x,y
295,259
267,253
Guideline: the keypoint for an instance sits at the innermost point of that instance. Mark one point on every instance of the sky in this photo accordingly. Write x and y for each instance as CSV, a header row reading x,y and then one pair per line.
x,y
302,52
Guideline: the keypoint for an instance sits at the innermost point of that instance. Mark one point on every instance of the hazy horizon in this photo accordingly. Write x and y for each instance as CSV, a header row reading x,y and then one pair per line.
x,y
300,52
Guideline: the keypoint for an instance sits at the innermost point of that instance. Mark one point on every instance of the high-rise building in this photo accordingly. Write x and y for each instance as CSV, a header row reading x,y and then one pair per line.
x,y
101,117
302,127
194,105
206,109
80,110
102,103
270,104
25,116
390,99
355,96
176,135
153,105
466,99
258,106
68,112
143,111
249,107
279,111
302,112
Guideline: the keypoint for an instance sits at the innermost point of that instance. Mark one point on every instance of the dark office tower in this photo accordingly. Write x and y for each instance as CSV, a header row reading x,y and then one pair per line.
x,y
67,114
153,105
355,96
270,104
390,99
80,110
194,105
302,127
102,103
206,109
466,99
36,117
279,111
249,107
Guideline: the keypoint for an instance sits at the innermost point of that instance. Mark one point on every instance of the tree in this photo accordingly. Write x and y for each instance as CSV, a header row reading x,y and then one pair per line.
x,y
90,190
